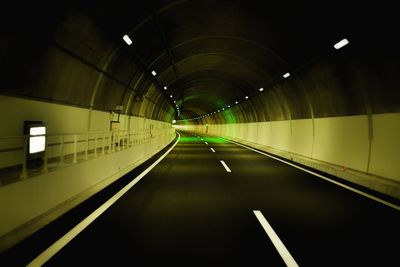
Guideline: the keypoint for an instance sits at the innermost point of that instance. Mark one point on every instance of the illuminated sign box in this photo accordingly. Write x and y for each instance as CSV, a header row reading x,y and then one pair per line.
x,y
36,132
37,139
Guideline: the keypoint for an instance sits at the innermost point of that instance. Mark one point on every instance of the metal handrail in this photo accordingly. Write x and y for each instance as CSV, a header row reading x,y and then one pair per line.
x,y
71,148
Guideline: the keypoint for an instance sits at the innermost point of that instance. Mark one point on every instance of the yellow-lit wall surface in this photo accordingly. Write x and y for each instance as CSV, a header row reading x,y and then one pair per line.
x,y
342,146
59,119
28,204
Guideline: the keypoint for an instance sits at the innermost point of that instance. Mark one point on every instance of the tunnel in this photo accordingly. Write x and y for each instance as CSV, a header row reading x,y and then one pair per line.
x,y
199,133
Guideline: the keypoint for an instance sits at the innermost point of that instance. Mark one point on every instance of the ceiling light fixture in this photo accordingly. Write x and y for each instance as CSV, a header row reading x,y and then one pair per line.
x,y
127,40
154,73
287,74
341,43
165,88
261,89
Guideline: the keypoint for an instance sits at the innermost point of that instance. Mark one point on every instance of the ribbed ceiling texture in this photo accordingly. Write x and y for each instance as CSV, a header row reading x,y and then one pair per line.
x,y
208,54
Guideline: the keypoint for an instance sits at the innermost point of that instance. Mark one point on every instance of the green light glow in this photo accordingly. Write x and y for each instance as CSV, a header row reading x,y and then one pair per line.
x,y
214,140
189,139
227,114
229,117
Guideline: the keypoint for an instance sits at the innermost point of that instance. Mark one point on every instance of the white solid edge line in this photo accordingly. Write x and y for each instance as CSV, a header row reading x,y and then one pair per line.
x,y
212,149
321,176
225,166
60,243
280,247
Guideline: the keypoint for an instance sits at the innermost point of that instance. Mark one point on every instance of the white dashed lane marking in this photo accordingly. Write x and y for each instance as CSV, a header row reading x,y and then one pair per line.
x,y
280,247
225,166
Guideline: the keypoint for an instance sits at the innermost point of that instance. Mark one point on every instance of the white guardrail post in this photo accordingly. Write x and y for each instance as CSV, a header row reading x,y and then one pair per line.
x,y
110,144
45,165
103,144
87,146
57,151
24,158
61,149
95,145
112,141
75,148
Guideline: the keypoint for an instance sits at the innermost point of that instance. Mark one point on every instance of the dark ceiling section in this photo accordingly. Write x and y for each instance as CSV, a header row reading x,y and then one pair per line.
x,y
116,18
24,40
213,53
71,52
214,49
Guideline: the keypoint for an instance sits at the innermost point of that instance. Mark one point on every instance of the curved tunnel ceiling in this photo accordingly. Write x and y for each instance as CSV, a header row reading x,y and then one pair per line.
x,y
209,55
220,38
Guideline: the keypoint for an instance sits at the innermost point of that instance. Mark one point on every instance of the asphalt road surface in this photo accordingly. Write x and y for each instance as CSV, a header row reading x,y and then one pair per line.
x,y
210,202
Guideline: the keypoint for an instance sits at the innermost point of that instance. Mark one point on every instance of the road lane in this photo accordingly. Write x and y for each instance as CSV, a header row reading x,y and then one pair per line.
x,y
321,223
189,211
183,213
280,247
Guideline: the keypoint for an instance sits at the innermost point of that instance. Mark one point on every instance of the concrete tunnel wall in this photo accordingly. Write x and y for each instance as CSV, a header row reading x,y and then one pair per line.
x,y
337,145
338,112
75,64
59,119
51,76
45,196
